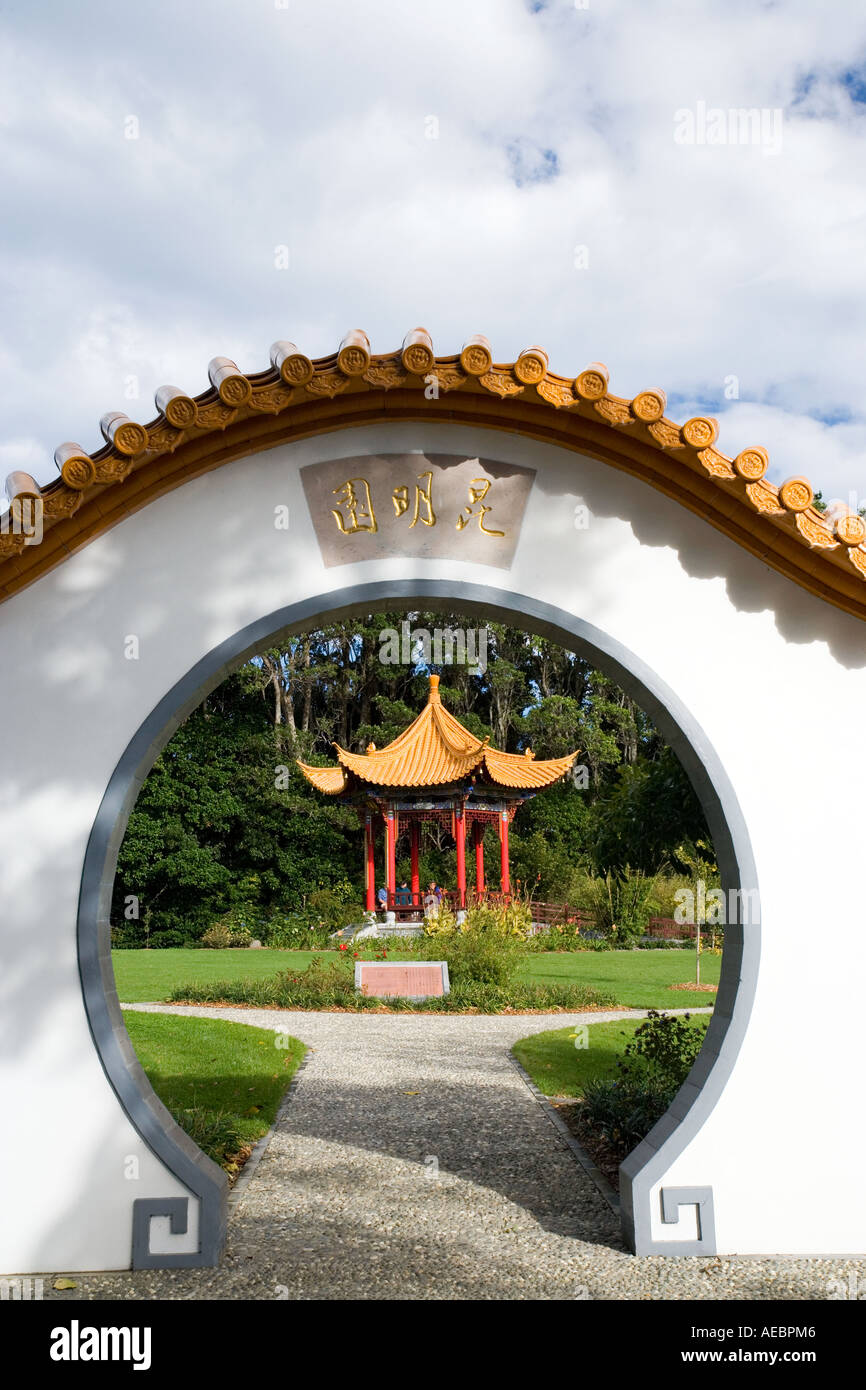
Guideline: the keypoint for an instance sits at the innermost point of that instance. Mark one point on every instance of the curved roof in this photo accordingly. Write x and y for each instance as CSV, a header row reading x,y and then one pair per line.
x,y
296,397
436,751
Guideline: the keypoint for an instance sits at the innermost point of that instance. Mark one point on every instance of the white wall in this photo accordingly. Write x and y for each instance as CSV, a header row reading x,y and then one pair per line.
x,y
775,678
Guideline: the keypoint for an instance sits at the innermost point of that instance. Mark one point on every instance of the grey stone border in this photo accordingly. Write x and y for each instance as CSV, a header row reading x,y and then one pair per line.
x,y
695,1101
592,1170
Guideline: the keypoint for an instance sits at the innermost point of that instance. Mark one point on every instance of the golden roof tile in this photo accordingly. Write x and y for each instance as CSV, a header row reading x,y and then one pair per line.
x,y
437,751
330,780
296,396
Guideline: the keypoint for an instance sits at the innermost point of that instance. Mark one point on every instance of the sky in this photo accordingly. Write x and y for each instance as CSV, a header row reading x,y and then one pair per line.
x,y
186,180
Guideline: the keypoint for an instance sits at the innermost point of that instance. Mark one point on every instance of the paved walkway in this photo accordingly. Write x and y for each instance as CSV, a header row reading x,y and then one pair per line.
x,y
412,1161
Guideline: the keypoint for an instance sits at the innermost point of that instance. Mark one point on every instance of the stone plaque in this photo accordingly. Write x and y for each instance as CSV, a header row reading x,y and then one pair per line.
x,y
412,979
430,505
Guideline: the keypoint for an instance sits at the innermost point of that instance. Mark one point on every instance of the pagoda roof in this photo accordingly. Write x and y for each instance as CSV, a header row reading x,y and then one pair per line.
x,y
436,751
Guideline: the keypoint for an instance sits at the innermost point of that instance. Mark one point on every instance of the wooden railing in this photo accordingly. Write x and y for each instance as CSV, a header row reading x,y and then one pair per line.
x,y
544,914
668,929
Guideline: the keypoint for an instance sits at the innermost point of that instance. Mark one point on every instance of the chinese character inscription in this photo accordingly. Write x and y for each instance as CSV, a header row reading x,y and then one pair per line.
x,y
425,504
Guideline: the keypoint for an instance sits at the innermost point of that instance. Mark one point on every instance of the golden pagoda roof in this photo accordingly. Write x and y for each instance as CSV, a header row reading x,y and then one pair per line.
x,y
436,751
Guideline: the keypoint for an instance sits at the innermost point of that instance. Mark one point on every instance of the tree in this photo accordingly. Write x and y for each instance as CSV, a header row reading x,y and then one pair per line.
x,y
226,819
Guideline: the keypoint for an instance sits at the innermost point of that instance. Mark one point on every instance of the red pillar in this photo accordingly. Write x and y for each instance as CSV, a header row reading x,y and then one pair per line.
x,y
460,836
370,863
390,855
414,837
503,846
478,845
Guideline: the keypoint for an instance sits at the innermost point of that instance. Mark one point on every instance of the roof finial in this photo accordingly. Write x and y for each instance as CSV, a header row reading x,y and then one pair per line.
x,y
434,686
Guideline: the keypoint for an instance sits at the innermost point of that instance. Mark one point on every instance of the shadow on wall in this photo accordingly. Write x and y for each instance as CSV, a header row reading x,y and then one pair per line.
x,y
705,553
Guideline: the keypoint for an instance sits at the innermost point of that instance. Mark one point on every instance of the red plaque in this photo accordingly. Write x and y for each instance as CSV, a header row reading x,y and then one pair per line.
x,y
407,980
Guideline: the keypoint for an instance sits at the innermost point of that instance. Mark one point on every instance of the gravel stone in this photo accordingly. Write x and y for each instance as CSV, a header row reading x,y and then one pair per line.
x,y
412,1161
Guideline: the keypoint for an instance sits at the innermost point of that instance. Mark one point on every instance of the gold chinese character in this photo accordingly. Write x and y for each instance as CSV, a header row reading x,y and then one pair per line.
x,y
477,493
400,497
361,514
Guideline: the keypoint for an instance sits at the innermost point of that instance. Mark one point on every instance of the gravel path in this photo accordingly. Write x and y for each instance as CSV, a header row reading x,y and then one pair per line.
x,y
412,1161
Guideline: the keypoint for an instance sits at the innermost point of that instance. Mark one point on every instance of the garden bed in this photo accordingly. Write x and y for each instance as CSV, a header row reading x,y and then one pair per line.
x,y
330,989
606,1156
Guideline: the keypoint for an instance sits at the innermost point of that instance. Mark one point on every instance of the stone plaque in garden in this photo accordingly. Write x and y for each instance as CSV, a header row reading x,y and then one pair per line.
x,y
413,979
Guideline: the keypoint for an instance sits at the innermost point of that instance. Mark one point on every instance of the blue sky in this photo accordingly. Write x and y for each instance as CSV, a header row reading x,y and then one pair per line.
x,y
500,166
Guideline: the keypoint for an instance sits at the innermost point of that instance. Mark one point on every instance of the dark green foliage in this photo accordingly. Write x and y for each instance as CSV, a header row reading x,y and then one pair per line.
x,y
624,1111
226,824
485,958
663,1049
654,1066
620,904
648,810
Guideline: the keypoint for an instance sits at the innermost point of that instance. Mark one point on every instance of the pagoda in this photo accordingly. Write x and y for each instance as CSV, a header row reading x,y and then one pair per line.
x,y
436,771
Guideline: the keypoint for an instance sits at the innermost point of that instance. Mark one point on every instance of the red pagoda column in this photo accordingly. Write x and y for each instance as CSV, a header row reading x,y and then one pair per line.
x,y
390,854
460,837
369,863
414,837
478,846
503,846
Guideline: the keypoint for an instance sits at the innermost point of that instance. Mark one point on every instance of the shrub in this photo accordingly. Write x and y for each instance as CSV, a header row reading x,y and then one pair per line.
x,y
161,940
235,928
444,922
663,1049
321,985
624,1110
655,1063
511,919
289,932
328,907
218,937
620,903
483,957
487,946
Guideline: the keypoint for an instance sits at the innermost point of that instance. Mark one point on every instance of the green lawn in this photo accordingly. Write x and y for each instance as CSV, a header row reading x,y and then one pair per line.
x,y
223,1082
638,979
149,976
559,1068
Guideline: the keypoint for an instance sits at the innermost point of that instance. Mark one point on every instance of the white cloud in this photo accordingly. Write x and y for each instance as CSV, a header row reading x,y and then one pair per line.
x,y
308,126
